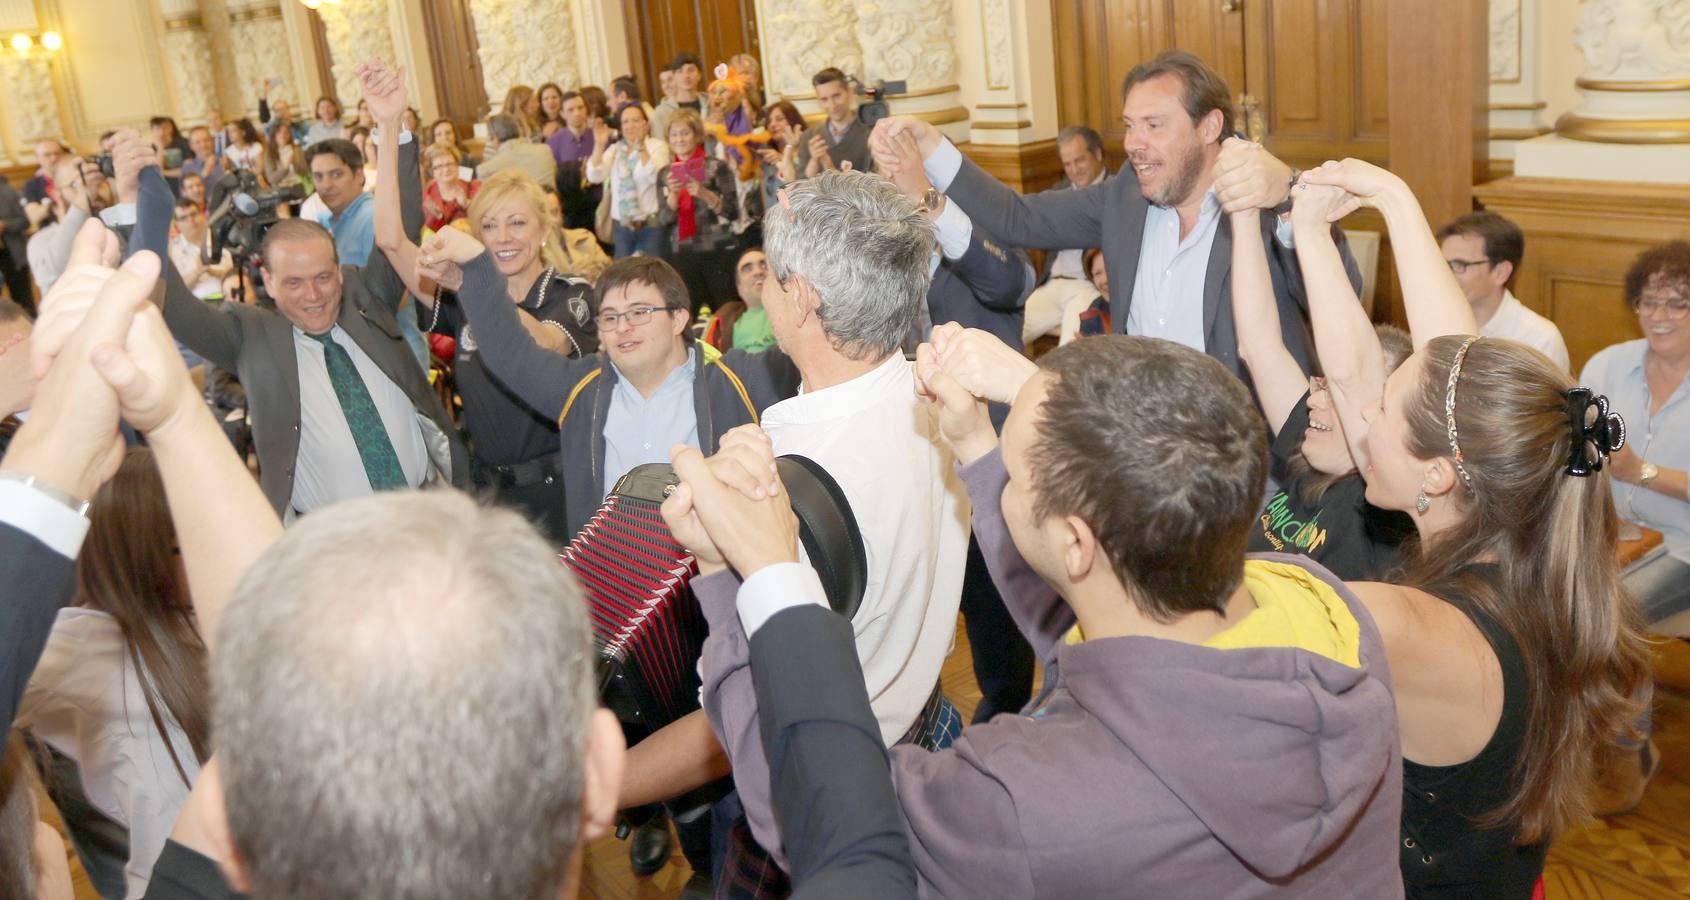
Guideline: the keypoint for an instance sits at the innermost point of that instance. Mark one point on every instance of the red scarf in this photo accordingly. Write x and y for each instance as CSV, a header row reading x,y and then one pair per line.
x,y
690,169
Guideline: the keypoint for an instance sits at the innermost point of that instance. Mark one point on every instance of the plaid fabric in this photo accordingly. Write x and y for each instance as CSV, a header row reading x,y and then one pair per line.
x,y
748,873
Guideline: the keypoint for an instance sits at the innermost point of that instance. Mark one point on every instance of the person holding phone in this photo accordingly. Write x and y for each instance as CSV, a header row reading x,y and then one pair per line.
x,y
699,207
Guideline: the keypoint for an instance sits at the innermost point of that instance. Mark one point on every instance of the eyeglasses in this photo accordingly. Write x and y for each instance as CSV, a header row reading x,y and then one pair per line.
x,y
635,317
1670,307
1460,266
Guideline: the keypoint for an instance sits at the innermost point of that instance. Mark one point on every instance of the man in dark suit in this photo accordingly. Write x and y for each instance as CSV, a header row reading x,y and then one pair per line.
x,y
1166,244
14,244
339,406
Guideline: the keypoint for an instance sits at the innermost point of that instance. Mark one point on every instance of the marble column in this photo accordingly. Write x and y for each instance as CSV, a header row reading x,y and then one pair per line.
x,y
187,60
1636,82
1633,121
356,30
1000,45
529,42
259,41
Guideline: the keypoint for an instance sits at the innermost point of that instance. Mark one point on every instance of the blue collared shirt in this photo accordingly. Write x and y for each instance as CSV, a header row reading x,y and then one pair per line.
x,y
1168,288
354,230
1664,440
640,429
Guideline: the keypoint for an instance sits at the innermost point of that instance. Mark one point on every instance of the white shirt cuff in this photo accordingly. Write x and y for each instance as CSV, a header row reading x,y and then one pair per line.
x,y
119,215
46,519
774,588
942,165
1282,232
954,229
404,136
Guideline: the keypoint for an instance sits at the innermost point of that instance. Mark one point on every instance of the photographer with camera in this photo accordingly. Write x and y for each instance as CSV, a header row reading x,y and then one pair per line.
x,y
82,189
842,139
339,406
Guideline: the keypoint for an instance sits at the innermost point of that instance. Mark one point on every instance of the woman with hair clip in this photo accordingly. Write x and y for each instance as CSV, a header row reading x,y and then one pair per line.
x,y
516,450
121,688
1515,652
1320,510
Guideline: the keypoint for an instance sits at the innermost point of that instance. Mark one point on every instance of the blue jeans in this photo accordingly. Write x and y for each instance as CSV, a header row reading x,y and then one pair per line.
x,y
651,240
1661,585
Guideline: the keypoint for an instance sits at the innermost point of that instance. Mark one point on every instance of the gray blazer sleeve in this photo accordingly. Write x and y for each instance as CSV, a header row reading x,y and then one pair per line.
x,y
204,328
1053,220
540,377
384,283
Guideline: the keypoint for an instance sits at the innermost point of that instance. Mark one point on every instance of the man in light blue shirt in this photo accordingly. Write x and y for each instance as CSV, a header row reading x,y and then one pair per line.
x,y
640,427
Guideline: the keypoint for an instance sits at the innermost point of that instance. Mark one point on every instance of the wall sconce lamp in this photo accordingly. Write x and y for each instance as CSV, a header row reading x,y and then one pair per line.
x,y
50,40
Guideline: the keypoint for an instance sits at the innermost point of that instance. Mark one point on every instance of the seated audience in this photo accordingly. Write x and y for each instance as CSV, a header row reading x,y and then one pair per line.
x,y
1484,251
522,104
327,124
448,196
1064,284
38,191
193,188
842,138
586,257
1112,610
80,192
508,147
14,247
337,170
628,170
284,161
442,131
172,146
278,115
206,163
1648,382
245,150
1515,651
121,687
700,202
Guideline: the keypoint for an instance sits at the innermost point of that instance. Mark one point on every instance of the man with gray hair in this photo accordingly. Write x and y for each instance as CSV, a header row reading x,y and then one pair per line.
x,y
842,316
507,149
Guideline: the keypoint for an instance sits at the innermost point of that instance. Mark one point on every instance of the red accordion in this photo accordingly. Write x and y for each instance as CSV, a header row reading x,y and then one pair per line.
x,y
647,626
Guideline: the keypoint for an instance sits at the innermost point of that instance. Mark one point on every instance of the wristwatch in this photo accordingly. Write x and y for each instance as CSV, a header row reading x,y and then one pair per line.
x,y
77,505
1647,473
930,200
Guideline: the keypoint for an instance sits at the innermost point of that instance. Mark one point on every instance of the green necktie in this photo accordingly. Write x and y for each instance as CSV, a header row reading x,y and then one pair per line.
x,y
381,464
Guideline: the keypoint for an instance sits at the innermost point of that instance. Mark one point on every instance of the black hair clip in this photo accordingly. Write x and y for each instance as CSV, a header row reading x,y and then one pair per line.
x,y
1594,438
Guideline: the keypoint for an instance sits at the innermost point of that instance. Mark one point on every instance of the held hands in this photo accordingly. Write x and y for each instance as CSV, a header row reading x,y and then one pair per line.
x,y
730,508
1247,176
130,153
962,416
982,364
442,257
900,160
384,90
1318,205
1367,184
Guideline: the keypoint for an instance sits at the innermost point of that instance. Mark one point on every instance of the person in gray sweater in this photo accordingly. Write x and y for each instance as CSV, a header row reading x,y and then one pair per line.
x,y
1211,724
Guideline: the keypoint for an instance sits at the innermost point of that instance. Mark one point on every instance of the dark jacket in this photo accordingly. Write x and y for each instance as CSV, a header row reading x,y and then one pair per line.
x,y
39,580
1065,185
738,386
1111,215
1145,768
714,230
16,237
257,344
984,288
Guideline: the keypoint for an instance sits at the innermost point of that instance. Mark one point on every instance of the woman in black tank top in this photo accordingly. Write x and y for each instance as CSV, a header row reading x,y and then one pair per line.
x,y
1514,650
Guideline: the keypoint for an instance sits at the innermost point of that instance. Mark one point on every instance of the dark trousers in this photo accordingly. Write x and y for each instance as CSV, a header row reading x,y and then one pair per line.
x,y
15,274
1003,660
708,274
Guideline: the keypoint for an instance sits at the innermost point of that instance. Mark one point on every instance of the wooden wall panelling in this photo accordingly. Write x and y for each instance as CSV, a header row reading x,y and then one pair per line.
x,y
660,29
1580,239
1028,168
1317,68
455,56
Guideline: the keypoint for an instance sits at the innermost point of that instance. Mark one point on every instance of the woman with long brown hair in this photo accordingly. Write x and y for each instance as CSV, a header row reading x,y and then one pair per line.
x,y
1515,651
522,103
121,688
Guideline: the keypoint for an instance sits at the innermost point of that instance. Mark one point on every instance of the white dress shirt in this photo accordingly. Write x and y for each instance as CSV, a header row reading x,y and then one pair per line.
x,y
329,468
1167,298
85,701
1517,322
882,445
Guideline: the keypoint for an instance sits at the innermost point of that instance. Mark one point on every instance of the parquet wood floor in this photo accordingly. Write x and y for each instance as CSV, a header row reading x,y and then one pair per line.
x,y
1645,854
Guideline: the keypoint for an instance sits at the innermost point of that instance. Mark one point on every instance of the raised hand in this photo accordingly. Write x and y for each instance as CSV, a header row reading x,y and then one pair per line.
x,y
154,390
450,245
982,364
384,89
899,159
963,420
1318,205
1249,177
601,133
93,260
927,137
130,153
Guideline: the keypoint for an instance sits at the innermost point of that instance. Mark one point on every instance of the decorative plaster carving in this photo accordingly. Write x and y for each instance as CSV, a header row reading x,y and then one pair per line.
x,y
1505,40
913,40
187,58
525,42
994,25
30,98
262,52
814,34
356,31
1634,40
594,68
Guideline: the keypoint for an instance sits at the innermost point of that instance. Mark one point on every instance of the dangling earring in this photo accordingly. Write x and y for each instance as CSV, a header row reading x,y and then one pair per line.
x,y
1422,502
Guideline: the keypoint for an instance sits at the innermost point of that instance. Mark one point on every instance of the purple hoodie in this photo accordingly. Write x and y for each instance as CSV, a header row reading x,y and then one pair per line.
x,y
1146,768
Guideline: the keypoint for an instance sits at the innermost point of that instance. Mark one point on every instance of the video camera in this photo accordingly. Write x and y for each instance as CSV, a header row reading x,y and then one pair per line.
x,y
240,215
875,108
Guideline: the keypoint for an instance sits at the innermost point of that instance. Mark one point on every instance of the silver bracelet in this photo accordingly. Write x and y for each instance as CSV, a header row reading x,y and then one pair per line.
x,y
76,504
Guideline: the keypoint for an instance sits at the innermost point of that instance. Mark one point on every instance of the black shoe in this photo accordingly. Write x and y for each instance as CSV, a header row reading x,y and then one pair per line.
x,y
650,847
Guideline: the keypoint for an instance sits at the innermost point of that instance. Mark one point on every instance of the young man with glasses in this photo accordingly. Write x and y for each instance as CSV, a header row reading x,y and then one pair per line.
x,y
1484,250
